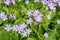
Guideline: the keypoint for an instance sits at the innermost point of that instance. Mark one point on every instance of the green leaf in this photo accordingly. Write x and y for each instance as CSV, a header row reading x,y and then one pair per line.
x,y
16,13
4,35
0,21
18,21
31,39
6,9
51,36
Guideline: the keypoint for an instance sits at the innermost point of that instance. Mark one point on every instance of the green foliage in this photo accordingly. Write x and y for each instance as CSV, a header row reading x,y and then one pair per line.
x,y
8,35
38,31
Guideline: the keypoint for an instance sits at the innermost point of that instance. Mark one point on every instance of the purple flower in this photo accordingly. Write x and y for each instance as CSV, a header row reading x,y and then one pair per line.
x,y
35,14
29,21
54,1
22,26
36,0
6,2
58,1
46,35
38,18
12,16
44,2
13,1
16,27
58,21
27,1
19,28
22,29
35,23
8,27
26,32
30,13
51,5
3,16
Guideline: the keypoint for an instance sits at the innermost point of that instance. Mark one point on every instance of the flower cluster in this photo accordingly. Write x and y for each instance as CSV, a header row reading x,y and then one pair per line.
x,y
22,29
34,15
4,16
7,2
24,12
50,4
27,1
56,1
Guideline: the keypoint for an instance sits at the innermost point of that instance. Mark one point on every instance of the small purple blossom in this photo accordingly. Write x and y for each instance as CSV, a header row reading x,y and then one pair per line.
x,y
38,18
8,27
12,16
26,32
29,21
22,26
13,1
58,21
30,13
35,23
51,5
16,28
44,2
21,29
55,1
36,14
58,1
6,2
36,0
46,35
3,16
27,1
